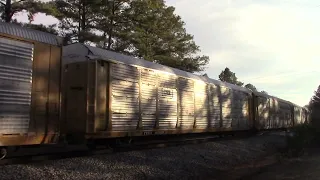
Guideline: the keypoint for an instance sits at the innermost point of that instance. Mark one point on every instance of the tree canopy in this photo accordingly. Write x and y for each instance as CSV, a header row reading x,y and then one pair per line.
x,y
146,29
315,99
8,8
251,87
228,76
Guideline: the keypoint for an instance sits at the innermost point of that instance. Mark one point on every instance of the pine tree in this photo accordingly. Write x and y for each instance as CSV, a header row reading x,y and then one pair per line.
x,y
314,107
315,100
110,21
155,33
142,28
77,18
251,87
10,7
228,76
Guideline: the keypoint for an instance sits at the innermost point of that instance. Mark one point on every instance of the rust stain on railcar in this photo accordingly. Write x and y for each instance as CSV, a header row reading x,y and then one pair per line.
x,y
27,139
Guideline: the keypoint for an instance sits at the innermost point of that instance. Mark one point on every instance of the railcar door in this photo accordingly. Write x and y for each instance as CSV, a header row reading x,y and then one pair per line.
x,y
16,62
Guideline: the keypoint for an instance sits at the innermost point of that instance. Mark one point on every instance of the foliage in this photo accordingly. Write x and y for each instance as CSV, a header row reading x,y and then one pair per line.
x,y
315,99
306,135
228,76
314,108
142,28
264,92
250,87
303,136
77,18
112,21
8,8
40,27
157,34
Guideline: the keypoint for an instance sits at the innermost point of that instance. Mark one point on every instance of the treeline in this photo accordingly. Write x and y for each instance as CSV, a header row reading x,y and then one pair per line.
x,y
228,76
314,107
146,29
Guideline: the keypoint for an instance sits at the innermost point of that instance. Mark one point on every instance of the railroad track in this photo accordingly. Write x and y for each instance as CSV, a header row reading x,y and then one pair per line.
x,y
138,145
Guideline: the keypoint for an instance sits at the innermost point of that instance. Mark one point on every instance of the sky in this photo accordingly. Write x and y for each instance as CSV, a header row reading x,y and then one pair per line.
x,y
272,44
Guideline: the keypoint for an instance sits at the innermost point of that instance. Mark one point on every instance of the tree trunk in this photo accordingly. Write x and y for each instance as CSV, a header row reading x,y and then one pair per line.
x,y
104,40
111,26
8,11
82,21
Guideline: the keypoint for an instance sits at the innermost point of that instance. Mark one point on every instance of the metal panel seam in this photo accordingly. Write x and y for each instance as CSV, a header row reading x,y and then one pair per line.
x,y
140,112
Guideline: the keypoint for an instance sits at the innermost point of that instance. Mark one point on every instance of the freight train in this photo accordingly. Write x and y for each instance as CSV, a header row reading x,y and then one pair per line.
x,y
78,93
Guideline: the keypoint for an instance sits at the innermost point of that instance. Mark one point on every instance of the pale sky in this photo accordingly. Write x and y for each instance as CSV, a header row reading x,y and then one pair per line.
x,y
273,44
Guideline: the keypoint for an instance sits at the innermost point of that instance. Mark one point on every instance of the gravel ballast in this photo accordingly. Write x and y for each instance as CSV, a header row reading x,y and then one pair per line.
x,y
198,161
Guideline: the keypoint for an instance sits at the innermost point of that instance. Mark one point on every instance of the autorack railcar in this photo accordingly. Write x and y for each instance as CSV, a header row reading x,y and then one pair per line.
x,y
107,94
82,92
30,63
272,112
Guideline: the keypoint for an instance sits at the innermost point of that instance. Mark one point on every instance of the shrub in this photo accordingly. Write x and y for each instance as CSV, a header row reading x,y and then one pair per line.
x,y
303,136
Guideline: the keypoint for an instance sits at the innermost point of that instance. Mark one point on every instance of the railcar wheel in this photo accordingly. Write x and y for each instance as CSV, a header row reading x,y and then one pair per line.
x,y
3,153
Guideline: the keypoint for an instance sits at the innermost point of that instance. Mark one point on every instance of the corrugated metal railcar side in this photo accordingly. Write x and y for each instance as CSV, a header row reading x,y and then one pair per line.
x,y
30,64
132,99
300,114
272,112
297,115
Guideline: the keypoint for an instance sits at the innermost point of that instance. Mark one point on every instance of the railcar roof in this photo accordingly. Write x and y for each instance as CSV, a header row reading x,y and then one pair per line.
x,y
98,53
269,96
29,34
298,105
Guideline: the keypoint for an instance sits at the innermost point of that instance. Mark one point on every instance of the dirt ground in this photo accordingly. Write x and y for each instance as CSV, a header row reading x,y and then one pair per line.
x,y
277,167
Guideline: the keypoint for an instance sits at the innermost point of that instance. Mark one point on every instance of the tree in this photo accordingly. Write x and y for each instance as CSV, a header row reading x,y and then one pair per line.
x,y
205,75
10,7
40,27
314,107
228,76
77,18
250,87
264,92
110,21
315,101
142,28
155,33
